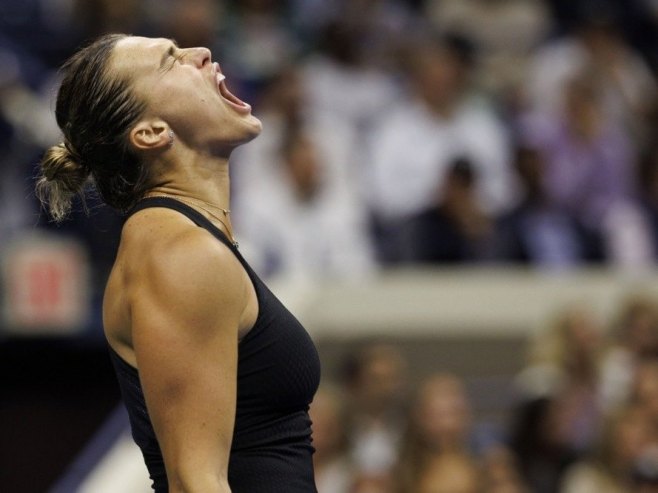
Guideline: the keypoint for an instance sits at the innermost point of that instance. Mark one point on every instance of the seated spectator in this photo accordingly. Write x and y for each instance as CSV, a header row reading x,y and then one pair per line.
x,y
598,47
340,85
625,437
635,338
440,427
588,163
375,379
505,31
437,123
539,446
455,229
256,42
558,417
302,225
537,231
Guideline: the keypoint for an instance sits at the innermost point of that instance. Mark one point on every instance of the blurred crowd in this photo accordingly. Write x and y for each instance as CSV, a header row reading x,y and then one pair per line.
x,y
395,132
582,417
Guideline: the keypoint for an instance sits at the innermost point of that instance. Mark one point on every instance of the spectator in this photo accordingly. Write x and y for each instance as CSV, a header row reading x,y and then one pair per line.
x,y
418,140
597,47
375,383
537,231
302,224
624,439
340,85
589,164
455,229
439,428
558,417
505,32
256,43
635,336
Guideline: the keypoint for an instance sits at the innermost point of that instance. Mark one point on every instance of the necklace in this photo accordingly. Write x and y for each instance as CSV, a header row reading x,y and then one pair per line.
x,y
193,202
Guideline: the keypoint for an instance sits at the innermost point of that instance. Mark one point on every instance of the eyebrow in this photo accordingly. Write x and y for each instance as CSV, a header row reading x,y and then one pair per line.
x,y
169,53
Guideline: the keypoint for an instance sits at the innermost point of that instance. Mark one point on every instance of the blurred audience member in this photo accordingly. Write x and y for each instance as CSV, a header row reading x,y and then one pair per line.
x,y
558,417
539,445
333,470
635,336
340,85
376,387
625,437
256,42
381,27
565,365
505,32
301,224
440,121
455,229
596,46
440,426
537,231
588,166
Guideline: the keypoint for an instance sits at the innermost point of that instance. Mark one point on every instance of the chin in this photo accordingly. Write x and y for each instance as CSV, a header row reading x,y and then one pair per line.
x,y
254,128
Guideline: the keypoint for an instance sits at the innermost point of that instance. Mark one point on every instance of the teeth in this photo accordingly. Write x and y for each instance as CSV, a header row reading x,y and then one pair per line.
x,y
219,78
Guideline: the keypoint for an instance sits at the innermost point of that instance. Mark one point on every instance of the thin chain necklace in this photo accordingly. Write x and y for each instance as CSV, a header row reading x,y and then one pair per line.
x,y
194,202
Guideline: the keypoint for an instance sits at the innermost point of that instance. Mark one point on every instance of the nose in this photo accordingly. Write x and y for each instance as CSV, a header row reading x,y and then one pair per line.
x,y
200,56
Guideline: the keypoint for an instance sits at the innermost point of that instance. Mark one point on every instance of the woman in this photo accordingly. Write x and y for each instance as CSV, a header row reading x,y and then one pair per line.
x,y
216,374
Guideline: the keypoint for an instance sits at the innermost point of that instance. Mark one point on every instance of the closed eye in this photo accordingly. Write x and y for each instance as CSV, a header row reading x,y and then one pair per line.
x,y
173,54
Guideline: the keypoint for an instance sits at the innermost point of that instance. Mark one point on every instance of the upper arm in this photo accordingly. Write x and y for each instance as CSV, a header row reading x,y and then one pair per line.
x,y
185,311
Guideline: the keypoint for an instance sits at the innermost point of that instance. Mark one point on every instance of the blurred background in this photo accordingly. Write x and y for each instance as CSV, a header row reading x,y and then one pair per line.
x,y
458,198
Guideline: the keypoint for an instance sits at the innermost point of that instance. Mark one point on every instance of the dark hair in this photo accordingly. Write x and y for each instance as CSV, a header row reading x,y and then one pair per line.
x,y
95,111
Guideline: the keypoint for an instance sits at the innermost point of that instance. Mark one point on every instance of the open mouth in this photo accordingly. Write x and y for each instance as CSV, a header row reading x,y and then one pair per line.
x,y
229,97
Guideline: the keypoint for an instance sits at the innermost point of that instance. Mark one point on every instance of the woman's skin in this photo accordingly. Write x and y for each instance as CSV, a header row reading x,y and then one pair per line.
x,y
178,301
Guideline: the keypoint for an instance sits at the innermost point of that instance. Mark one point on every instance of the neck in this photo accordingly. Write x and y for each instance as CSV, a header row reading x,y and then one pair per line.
x,y
198,177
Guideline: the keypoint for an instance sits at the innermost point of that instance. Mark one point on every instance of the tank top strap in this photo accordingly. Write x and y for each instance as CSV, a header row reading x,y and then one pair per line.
x,y
193,215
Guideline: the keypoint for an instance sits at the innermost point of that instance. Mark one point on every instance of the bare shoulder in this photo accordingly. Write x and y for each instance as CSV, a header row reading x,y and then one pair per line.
x,y
167,268
169,252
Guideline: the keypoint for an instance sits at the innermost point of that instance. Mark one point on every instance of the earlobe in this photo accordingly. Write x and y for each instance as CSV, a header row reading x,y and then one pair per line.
x,y
150,135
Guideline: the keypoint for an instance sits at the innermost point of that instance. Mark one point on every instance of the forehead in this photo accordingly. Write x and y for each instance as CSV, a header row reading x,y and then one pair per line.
x,y
137,55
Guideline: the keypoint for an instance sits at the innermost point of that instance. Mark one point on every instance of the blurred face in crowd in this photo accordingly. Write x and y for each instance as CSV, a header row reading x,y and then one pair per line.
x,y
583,107
439,77
629,435
443,414
380,379
185,89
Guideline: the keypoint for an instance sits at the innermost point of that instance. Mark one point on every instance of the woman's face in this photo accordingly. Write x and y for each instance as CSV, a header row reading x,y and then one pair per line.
x,y
186,89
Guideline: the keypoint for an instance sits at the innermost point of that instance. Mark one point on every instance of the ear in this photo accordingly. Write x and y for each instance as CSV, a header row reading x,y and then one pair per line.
x,y
150,135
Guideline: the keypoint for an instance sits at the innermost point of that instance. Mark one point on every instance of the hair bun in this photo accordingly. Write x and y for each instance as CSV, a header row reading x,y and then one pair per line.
x,y
61,164
62,177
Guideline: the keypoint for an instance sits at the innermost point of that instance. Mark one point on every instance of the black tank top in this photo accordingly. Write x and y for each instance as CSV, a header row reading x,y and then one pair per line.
x,y
278,374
